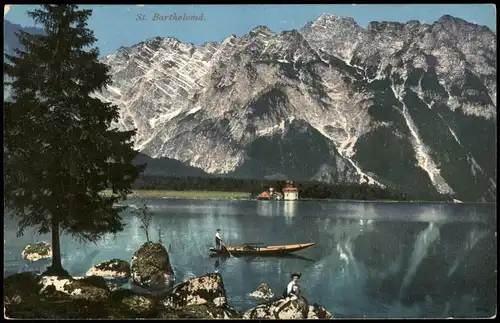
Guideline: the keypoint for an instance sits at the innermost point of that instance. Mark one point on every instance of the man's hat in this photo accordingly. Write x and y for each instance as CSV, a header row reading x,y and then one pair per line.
x,y
298,275
218,229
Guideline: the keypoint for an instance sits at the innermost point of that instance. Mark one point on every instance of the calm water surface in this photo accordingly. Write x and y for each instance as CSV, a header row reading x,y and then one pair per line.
x,y
370,259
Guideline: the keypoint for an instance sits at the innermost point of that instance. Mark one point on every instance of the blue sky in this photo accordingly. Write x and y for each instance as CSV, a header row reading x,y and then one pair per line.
x,y
116,25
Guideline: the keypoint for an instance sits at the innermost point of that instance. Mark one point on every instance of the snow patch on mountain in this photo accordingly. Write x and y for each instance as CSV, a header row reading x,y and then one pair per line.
x,y
424,159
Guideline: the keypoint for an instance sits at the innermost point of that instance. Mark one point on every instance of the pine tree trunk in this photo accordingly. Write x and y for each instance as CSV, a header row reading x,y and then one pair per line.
x,y
56,247
56,269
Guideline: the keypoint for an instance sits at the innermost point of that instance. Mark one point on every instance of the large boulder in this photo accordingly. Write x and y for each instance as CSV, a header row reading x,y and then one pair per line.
x,y
89,288
151,266
317,311
263,291
295,309
138,303
198,290
29,295
200,297
111,269
37,251
21,295
131,302
19,286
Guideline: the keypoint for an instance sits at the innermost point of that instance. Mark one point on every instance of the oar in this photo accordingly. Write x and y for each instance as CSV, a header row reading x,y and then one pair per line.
x,y
224,245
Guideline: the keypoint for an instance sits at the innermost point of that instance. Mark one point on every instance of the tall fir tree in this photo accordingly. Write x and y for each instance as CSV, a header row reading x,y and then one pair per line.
x,y
60,149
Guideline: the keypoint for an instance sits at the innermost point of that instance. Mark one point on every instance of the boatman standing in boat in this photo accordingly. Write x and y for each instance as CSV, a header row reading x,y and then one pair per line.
x,y
218,240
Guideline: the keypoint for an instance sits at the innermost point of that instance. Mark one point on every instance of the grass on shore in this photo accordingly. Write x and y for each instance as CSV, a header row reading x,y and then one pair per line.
x,y
243,195
186,194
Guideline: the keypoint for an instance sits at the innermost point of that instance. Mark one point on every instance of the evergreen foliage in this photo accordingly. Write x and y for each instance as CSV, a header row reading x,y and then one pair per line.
x,y
60,150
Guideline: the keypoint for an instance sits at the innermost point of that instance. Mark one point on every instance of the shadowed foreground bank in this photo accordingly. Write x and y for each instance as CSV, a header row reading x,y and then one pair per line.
x,y
28,295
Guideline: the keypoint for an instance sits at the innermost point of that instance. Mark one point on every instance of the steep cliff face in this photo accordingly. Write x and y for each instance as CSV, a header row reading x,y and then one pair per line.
x,y
435,88
409,105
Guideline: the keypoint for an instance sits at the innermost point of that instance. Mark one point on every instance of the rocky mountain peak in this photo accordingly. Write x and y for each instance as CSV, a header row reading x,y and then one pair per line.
x,y
155,43
335,34
261,29
448,19
327,18
462,28
293,36
412,23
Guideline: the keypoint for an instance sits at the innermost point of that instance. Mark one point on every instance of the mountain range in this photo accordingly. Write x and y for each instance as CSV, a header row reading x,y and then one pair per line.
x,y
406,105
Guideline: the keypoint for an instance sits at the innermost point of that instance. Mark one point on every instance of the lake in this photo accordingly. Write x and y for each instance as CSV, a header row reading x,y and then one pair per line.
x,y
370,259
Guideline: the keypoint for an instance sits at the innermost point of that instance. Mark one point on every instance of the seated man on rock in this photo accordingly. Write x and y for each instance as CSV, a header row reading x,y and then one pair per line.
x,y
291,293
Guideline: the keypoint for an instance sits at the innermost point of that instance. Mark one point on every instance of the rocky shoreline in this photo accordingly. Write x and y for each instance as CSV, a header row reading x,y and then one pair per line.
x,y
31,295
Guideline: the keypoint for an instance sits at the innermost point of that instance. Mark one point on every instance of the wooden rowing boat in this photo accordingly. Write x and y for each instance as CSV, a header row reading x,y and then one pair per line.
x,y
255,249
224,257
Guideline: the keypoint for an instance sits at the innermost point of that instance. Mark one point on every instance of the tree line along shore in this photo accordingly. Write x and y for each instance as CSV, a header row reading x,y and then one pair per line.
x,y
238,188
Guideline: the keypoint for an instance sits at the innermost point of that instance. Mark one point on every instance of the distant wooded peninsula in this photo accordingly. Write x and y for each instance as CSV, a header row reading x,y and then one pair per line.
x,y
307,190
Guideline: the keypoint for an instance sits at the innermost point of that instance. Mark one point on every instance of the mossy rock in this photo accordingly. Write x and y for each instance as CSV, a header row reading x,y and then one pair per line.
x,y
295,309
62,306
263,291
114,264
134,305
303,305
138,303
119,294
95,281
114,269
231,313
37,251
151,265
317,311
41,248
208,288
56,305
128,304
19,286
89,288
